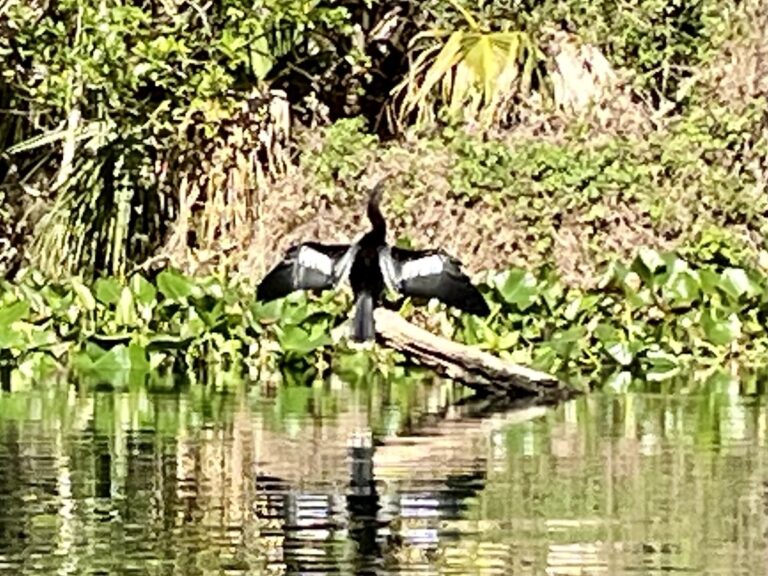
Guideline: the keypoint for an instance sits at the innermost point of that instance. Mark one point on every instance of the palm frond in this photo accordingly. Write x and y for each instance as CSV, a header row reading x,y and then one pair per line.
x,y
471,73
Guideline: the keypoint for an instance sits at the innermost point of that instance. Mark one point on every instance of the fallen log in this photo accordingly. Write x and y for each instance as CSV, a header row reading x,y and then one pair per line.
x,y
475,368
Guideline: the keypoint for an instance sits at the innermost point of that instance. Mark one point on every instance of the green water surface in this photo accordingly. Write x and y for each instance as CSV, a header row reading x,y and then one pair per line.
x,y
379,479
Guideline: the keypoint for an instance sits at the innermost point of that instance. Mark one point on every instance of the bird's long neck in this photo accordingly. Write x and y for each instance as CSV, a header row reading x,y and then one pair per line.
x,y
379,231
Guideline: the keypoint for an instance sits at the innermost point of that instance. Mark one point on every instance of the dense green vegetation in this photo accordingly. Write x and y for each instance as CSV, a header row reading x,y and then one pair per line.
x,y
655,320
136,134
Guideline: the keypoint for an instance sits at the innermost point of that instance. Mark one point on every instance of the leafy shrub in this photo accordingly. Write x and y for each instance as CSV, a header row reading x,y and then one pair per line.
x,y
651,321
660,41
341,156
110,84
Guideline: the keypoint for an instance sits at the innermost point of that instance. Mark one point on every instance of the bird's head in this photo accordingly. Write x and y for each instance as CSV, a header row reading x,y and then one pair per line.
x,y
374,213
375,193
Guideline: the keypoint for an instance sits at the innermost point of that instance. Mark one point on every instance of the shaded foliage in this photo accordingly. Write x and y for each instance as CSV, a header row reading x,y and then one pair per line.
x,y
99,94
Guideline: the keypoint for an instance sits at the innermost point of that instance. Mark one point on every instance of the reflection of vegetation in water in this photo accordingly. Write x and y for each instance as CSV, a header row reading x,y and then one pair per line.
x,y
651,321
614,481
209,479
199,149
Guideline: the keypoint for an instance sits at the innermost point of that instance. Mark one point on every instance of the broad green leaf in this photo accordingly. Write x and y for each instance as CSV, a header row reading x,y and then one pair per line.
x,y
581,304
620,352
519,289
109,367
736,283
56,298
607,333
12,339
710,281
38,337
551,291
651,259
144,293
107,290
318,331
11,313
296,339
508,341
262,314
682,288
573,309
614,342
660,365
647,264
720,331
531,330
193,327
640,299
174,286
295,309
261,61
545,357
210,309
565,341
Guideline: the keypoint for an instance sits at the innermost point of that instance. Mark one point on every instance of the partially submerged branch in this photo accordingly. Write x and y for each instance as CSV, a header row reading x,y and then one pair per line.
x,y
477,369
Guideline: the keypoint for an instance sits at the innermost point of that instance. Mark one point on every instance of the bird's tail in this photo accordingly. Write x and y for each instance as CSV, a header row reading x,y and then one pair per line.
x,y
362,320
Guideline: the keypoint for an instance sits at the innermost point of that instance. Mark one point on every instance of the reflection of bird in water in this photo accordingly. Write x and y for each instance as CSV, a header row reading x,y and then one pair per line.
x,y
376,522
302,524
363,508
309,526
370,265
417,516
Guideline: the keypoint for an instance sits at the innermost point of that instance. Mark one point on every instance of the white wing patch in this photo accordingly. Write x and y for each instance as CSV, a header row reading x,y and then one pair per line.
x,y
344,264
388,269
426,266
310,258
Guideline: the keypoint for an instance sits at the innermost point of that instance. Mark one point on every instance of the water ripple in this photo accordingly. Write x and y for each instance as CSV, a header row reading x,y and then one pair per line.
x,y
380,484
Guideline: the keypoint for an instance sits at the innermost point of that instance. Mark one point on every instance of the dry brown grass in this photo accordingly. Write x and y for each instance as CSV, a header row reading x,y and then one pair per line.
x,y
487,236
219,181
739,73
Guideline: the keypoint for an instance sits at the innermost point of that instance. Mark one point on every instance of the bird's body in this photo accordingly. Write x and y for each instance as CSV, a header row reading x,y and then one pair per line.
x,y
367,283
371,265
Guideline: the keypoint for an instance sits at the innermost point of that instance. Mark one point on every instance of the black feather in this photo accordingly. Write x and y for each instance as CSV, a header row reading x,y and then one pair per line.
x,y
289,274
370,265
447,282
363,327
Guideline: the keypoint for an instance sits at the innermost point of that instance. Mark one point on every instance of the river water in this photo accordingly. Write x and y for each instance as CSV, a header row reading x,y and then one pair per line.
x,y
379,479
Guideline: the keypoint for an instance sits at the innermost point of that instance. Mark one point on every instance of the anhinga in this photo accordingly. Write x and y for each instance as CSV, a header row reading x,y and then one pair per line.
x,y
370,265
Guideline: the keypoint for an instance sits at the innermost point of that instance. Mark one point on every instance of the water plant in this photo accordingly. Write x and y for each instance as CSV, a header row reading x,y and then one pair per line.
x,y
651,321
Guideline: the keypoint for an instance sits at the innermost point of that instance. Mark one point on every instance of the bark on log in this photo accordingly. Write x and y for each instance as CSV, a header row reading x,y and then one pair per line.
x,y
477,369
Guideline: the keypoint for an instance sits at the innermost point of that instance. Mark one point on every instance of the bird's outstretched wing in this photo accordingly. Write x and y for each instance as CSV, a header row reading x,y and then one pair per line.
x,y
307,266
431,274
